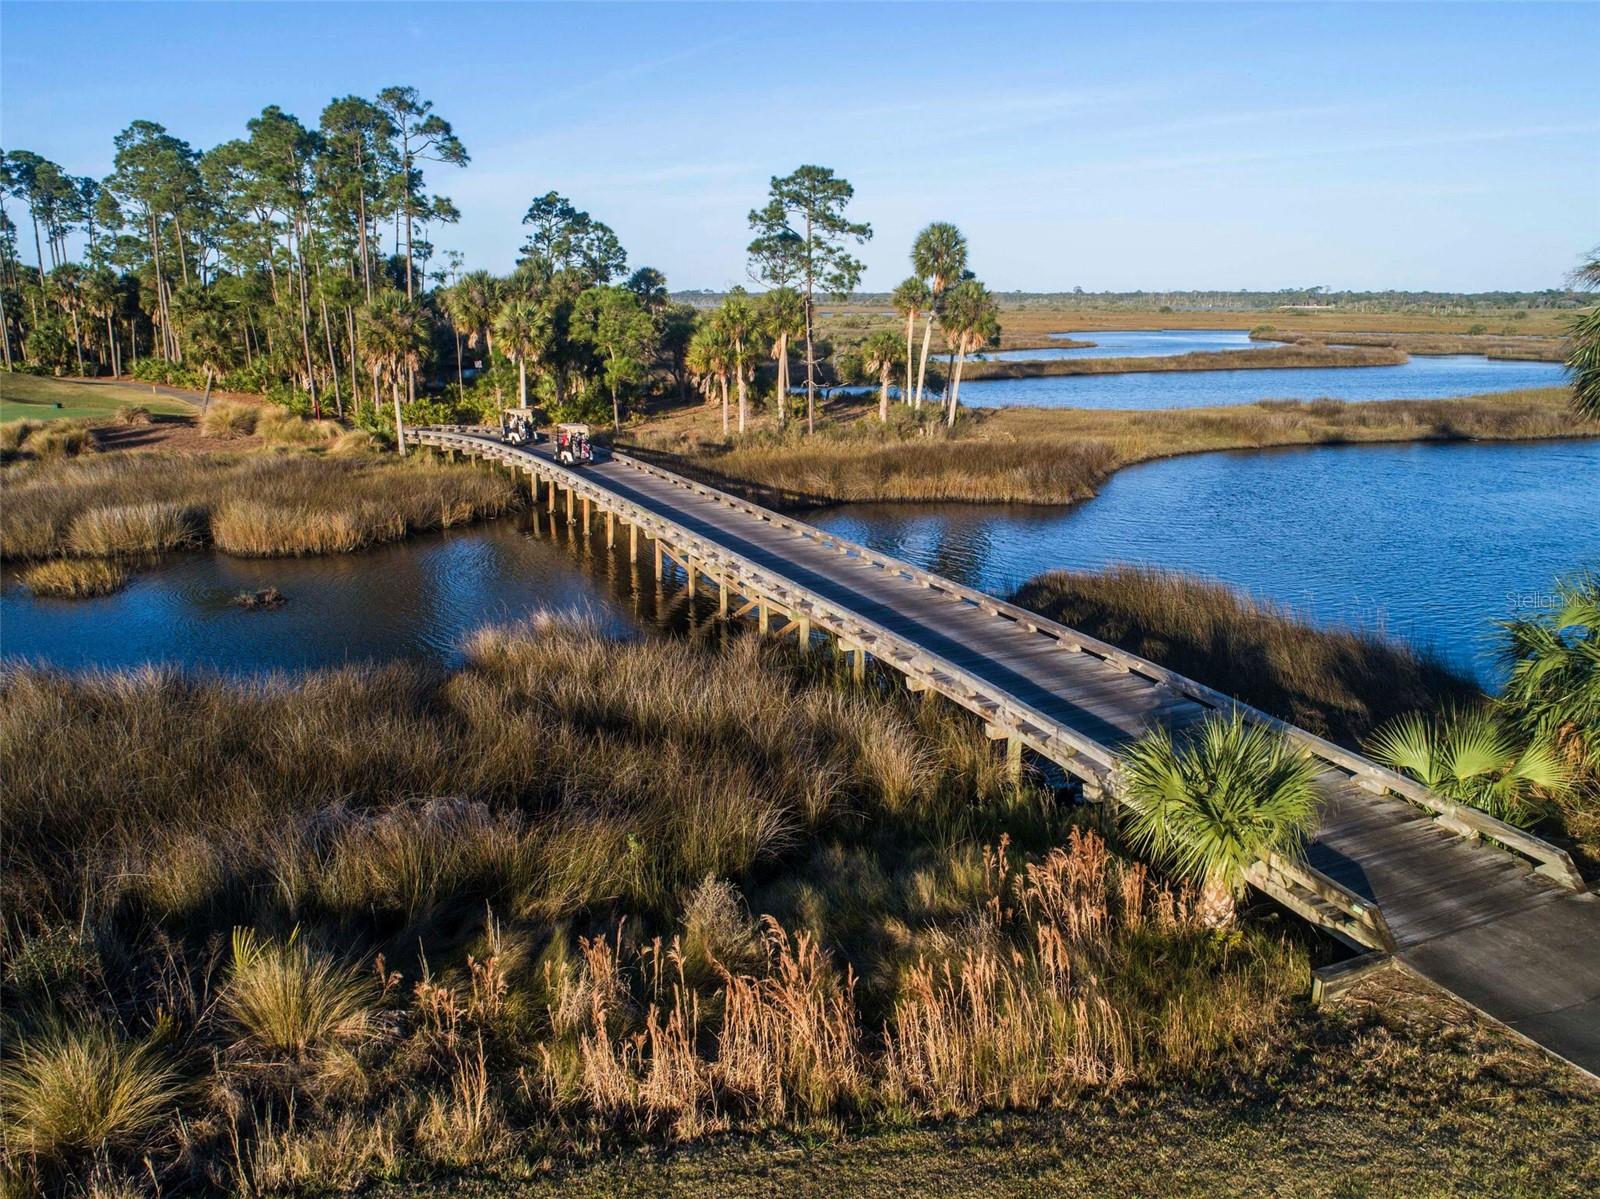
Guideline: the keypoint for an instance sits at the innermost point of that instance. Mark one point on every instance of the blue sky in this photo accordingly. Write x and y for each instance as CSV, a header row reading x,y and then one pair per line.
x,y
1449,146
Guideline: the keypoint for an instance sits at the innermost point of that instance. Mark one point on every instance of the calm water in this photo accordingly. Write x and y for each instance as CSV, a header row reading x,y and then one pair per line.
x,y
1138,343
413,600
1422,378
1429,543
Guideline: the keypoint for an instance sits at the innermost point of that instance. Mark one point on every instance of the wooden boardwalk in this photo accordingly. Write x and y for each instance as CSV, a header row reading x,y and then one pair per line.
x,y
1491,913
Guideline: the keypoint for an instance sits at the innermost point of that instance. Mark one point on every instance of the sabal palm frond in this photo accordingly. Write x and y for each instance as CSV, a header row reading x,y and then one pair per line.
x,y
1473,756
1217,803
1553,692
1583,345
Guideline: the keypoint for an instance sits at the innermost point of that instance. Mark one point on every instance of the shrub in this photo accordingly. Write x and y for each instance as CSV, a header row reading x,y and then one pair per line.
x,y
76,1090
287,1000
133,529
133,414
224,418
1228,796
72,580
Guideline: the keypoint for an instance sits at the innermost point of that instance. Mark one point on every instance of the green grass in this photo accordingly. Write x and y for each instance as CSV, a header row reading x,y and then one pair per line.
x,y
33,397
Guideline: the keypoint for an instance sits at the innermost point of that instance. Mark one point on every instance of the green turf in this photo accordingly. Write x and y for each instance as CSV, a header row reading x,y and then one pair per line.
x,y
29,397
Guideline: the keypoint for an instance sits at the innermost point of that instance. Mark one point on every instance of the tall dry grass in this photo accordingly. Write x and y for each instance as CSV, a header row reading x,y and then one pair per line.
x,y
78,1089
572,890
1059,455
258,504
74,580
1340,683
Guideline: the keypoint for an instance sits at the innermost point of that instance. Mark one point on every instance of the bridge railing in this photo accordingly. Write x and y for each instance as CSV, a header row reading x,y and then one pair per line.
x,y
1296,885
1550,860
1046,734
1051,738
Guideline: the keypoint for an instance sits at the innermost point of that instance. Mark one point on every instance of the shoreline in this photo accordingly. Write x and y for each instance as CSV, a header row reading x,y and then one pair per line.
x,y
1284,358
1017,455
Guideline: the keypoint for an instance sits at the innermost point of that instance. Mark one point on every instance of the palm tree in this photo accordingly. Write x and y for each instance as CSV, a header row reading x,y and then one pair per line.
x,y
881,354
911,299
209,342
1472,756
939,255
472,304
1553,694
783,314
394,335
1583,341
101,299
65,283
524,329
970,319
1214,806
741,326
708,360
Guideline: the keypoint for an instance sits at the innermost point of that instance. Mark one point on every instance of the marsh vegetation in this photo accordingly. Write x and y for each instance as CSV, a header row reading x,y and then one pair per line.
x,y
1057,456
251,504
375,921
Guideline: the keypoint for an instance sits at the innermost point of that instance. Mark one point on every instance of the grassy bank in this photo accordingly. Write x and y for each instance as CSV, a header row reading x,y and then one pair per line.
x,y
250,504
1397,1093
376,923
1209,360
1059,455
1039,317
1338,683
1514,348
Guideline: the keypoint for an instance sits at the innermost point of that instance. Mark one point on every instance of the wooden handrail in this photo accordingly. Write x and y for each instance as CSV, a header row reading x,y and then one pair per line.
x,y
1553,861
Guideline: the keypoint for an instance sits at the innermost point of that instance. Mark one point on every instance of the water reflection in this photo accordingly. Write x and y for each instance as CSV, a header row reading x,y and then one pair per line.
x,y
416,600
1432,543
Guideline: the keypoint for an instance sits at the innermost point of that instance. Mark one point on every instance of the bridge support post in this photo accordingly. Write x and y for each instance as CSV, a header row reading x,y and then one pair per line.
x,y
660,565
858,663
633,543
570,517
694,577
586,520
722,598
550,496
764,617
611,529
1014,759
803,631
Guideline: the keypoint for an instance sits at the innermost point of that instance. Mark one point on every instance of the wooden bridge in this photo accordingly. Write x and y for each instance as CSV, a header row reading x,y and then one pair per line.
x,y
1489,912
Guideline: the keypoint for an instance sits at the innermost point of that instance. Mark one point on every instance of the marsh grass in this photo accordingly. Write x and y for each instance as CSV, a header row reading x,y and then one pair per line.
x,y
66,579
47,440
579,891
1060,455
76,1089
263,504
1309,354
1339,683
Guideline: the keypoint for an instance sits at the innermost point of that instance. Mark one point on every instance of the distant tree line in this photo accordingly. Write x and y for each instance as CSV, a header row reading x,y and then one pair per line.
x,y
298,262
